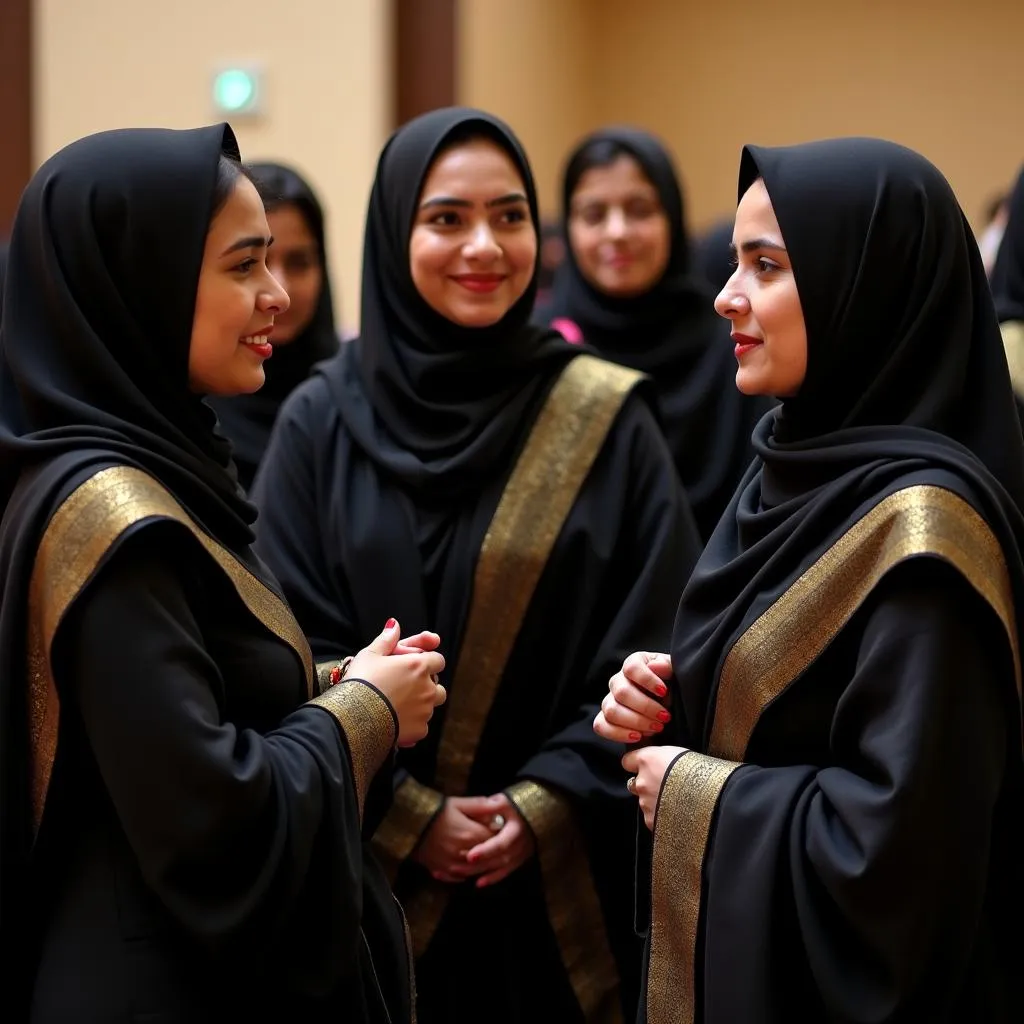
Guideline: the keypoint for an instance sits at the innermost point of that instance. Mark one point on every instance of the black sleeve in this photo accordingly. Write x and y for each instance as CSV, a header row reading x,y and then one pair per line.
x,y
250,840
290,532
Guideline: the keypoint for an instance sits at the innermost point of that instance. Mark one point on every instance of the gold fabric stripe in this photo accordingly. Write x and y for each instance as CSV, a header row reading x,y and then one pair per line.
x,y
573,906
682,826
414,808
368,725
1013,345
559,453
792,633
78,536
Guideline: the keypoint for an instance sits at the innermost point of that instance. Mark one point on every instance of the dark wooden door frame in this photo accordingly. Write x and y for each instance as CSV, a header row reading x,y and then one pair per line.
x,y
15,105
425,55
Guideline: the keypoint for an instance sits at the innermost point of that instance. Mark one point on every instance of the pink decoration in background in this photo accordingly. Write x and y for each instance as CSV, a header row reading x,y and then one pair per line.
x,y
568,329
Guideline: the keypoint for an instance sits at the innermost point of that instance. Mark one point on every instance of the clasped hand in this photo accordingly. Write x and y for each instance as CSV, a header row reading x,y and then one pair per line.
x,y
462,842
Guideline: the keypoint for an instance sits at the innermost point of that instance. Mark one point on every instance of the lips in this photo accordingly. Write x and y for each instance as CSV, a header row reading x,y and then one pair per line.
x,y
480,283
744,343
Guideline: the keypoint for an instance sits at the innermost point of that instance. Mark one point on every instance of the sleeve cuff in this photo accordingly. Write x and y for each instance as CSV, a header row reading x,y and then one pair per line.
x,y
544,812
369,725
687,803
414,808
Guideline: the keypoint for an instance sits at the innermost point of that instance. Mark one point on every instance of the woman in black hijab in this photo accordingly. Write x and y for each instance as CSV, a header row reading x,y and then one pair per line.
x,y
627,286
1008,289
305,334
837,832
181,836
480,475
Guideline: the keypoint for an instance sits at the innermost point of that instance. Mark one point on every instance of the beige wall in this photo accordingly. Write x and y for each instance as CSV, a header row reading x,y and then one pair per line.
x,y
942,76
531,63
119,63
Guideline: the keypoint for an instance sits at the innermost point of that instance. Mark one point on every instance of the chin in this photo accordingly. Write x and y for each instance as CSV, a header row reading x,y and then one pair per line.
x,y
477,316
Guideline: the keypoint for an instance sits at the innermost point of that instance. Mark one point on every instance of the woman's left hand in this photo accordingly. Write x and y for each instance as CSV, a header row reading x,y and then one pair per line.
x,y
507,850
649,766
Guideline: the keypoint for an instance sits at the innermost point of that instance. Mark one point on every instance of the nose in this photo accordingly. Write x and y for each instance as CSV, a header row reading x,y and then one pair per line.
x,y
482,245
615,225
730,302
274,299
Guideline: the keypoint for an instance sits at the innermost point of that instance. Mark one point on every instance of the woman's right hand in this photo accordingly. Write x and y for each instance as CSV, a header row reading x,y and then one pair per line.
x,y
409,681
628,714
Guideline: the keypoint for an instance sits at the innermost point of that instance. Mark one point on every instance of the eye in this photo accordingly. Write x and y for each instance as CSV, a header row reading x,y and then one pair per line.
x,y
246,265
513,216
447,219
766,266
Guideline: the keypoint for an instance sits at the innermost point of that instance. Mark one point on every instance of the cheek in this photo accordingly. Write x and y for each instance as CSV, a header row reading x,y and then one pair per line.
x,y
427,260
521,252
585,243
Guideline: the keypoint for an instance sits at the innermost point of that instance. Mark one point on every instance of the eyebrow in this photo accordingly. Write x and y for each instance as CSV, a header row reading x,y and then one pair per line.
x,y
753,244
512,197
252,242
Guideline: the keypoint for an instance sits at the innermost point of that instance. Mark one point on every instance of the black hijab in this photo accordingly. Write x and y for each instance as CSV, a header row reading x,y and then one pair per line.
x,y
248,419
434,404
1008,272
673,333
906,380
102,275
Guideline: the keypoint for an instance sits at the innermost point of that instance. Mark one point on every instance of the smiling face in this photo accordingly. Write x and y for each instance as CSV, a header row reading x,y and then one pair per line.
x,y
761,301
618,229
237,299
473,246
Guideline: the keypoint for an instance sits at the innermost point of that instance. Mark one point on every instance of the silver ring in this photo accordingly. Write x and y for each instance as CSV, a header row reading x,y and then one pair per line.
x,y
497,823
631,784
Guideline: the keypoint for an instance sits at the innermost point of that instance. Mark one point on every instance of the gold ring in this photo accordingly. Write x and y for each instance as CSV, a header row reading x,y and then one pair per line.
x,y
631,784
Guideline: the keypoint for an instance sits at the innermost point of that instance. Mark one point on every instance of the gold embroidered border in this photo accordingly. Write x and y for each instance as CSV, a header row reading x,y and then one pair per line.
x,y
792,633
559,453
682,827
1013,345
414,808
572,901
369,726
78,536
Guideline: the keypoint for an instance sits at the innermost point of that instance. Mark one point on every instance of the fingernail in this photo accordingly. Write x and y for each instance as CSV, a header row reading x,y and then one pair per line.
x,y
657,726
634,736
664,716
391,623
661,690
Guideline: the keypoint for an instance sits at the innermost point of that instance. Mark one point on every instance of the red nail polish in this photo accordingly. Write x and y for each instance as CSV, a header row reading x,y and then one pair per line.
x,y
657,726
390,624
634,736
664,716
661,690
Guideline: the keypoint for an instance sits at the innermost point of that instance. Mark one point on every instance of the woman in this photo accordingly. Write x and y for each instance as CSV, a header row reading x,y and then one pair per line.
x,y
181,834
479,475
627,287
837,834
305,334
1008,289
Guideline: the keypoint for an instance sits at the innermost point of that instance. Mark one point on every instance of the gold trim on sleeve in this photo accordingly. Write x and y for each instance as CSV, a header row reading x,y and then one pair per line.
x,y
81,532
369,727
1013,344
682,827
414,808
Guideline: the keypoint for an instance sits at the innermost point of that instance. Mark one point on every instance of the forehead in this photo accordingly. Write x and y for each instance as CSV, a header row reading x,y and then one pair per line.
x,y
288,225
243,212
623,174
476,167
755,215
